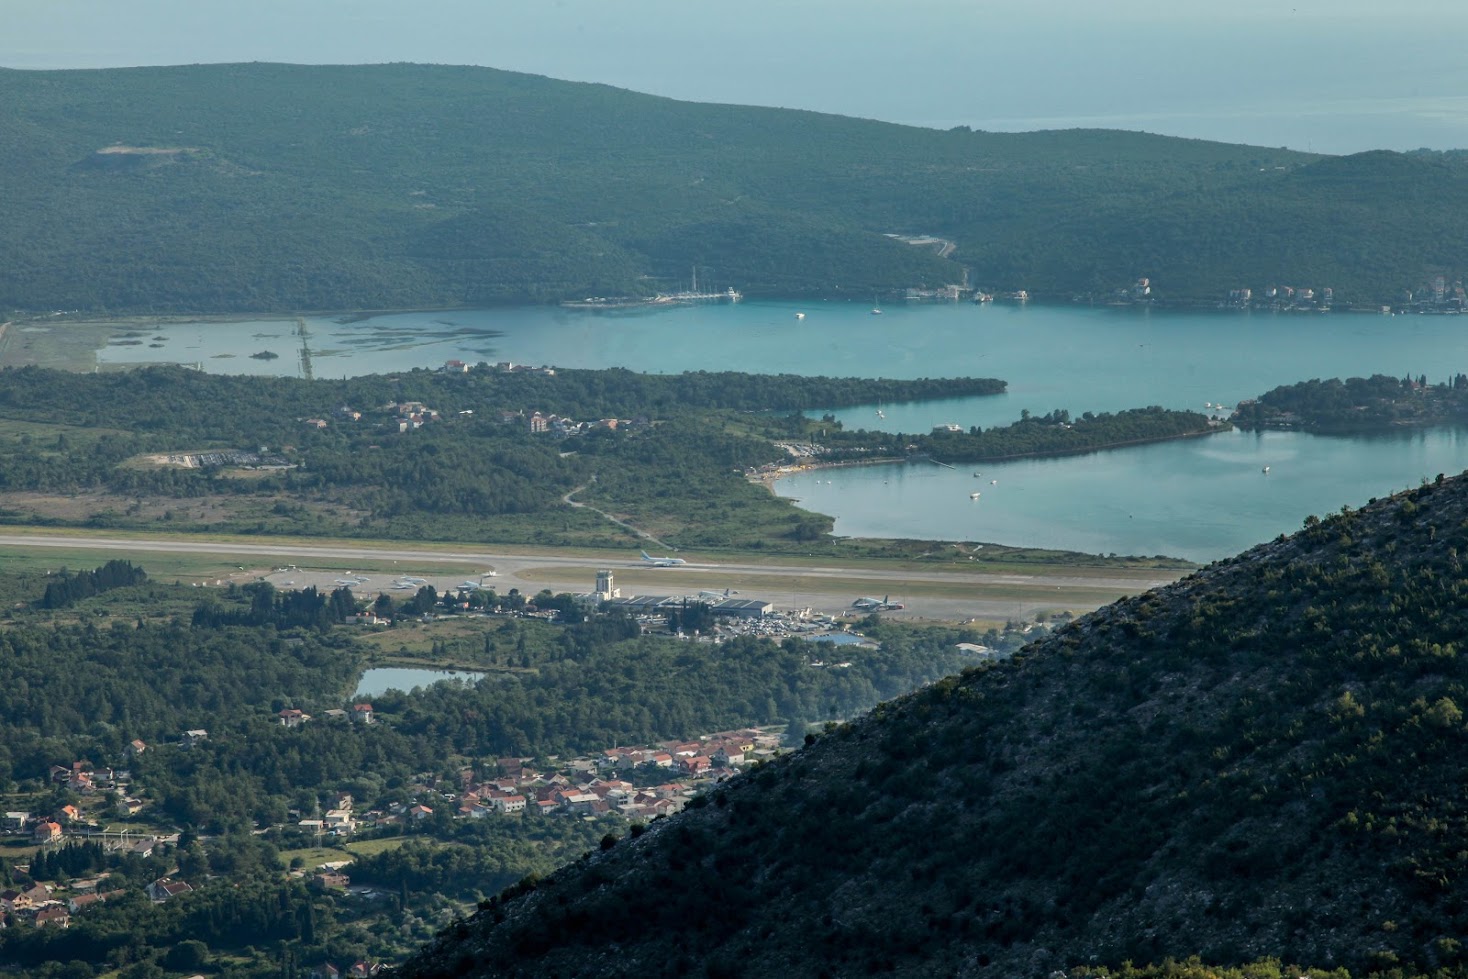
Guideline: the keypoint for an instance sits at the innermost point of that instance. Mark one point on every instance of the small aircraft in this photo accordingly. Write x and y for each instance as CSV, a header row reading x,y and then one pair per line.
x,y
716,594
662,562
884,604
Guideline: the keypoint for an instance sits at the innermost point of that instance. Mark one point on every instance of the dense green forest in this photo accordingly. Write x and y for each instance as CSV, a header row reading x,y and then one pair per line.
x,y
1358,404
1054,433
80,690
273,187
1258,764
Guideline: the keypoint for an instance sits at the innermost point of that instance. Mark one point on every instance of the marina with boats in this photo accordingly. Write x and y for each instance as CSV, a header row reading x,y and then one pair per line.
x,y
683,297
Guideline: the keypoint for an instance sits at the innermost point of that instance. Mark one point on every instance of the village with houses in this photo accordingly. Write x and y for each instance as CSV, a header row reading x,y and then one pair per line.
x,y
407,416
109,808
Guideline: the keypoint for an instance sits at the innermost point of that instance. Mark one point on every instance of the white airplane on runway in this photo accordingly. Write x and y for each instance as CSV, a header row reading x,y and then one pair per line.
x,y
662,562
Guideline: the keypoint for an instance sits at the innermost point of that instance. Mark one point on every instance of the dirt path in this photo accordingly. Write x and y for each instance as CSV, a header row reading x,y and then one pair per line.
x,y
639,532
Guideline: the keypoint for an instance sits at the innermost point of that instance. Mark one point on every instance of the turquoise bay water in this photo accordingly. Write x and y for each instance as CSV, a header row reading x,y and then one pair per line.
x,y
1200,499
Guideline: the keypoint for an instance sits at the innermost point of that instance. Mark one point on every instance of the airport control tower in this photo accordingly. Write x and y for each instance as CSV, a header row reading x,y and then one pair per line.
x,y
605,590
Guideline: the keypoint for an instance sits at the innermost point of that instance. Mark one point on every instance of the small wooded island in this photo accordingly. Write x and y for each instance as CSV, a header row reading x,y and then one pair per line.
x,y
1357,405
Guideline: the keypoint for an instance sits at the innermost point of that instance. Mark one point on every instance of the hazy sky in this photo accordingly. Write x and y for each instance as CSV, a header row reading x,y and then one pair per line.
x,y
1335,76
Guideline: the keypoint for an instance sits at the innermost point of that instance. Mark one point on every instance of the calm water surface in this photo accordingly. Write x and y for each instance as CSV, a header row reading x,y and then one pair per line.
x,y
1198,499
380,680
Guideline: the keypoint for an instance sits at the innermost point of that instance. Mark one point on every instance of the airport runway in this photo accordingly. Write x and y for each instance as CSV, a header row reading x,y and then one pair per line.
x,y
949,595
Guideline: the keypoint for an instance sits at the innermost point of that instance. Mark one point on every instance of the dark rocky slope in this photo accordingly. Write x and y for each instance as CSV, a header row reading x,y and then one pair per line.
x,y
1264,759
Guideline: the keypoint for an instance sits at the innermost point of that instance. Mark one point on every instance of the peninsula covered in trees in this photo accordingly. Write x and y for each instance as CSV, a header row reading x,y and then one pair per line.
x,y
1358,405
393,186
1054,433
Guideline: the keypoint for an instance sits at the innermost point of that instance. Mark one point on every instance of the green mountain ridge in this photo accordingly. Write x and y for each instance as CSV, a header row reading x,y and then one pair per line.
x,y
1262,760
255,187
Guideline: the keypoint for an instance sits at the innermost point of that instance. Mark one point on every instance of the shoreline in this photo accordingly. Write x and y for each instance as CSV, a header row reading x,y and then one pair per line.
x,y
1212,304
768,479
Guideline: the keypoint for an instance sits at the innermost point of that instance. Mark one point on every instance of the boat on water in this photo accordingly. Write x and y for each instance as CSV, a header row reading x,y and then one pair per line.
x,y
800,316
1265,470
687,297
983,297
974,495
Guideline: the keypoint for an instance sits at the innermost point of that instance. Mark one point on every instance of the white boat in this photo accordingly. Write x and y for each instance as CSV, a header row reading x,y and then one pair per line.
x,y
1265,469
876,311
973,496
993,482
800,316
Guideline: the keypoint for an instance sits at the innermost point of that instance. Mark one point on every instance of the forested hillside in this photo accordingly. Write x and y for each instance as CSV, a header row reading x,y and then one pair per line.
x,y
1263,760
268,187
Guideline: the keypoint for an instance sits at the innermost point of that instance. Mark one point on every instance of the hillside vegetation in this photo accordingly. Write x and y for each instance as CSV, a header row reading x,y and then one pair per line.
x,y
267,187
1259,761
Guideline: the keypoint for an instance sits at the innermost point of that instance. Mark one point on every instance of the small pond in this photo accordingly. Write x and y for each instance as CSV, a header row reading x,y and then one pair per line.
x,y
381,679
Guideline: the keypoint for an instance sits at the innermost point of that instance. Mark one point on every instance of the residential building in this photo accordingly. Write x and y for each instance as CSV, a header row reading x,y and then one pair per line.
x,y
53,917
508,804
166,888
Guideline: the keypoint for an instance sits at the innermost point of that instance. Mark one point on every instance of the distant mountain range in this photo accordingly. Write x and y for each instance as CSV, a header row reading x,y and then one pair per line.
x,y
1260,762
259,187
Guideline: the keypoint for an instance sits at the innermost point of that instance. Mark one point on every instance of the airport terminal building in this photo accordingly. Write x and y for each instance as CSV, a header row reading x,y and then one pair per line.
x,y
742,608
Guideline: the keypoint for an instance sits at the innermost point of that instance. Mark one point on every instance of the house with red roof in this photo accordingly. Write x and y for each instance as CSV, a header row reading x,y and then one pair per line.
x,y
508,804
166,888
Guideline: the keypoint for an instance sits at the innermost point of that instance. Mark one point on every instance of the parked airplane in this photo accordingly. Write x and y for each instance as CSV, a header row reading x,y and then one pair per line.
x,y
716,594
662,562
884,604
